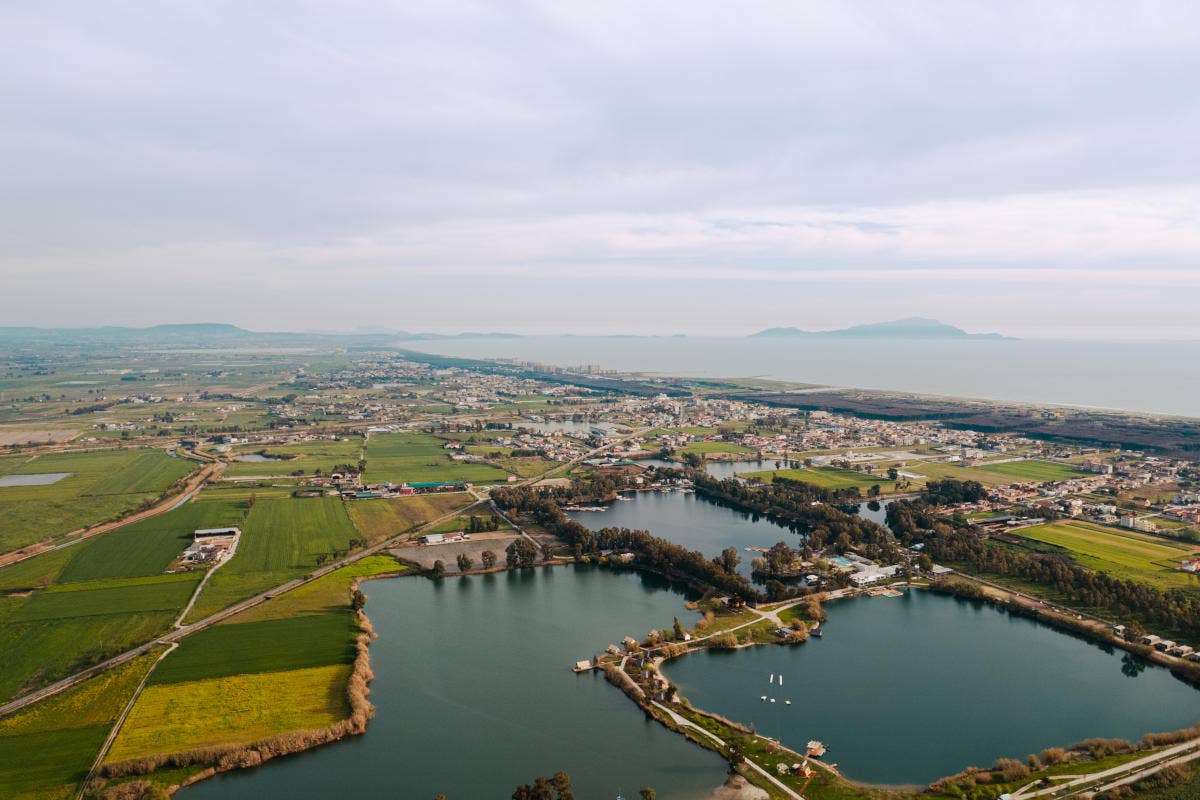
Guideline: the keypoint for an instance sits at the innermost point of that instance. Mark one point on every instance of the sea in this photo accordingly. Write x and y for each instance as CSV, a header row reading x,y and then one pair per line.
x,y
1153,377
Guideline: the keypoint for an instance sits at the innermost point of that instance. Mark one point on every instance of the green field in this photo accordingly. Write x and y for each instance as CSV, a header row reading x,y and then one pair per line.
x,y
825,477
46,749
1121,553
147,547
325,595
383,518
279,667
100,485
1040,471
409,457
701,448
54,632
281,540
272,645
308,457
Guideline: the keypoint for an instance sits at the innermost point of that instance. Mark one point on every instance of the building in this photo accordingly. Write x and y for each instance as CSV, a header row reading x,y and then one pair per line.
x,y
444,538
214,533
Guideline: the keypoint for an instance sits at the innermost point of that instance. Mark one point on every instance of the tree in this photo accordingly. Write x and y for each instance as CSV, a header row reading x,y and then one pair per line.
x,y
562,785
357,599
678,630
541,789
488,558
521,554
647,794
465,562
438,569
729,559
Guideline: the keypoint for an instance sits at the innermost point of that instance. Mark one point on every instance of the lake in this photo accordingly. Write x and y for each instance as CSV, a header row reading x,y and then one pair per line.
x,y
36,479
1154,375
691,521
909,689
475,695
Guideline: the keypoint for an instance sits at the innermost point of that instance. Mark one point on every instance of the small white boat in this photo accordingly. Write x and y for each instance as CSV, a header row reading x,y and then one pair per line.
x,y
763,698
787,702
772,699
781,680
771,680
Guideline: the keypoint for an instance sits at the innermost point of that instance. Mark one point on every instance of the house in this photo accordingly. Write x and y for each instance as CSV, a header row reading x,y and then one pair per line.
x,y
1151,640
1164,645
445,538
1181,650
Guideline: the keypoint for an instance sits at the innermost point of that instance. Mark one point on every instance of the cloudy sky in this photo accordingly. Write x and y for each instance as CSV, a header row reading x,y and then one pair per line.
x,y
602,167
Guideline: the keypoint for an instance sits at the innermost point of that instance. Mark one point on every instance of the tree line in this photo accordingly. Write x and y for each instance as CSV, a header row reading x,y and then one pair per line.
x,y
956,541
649,551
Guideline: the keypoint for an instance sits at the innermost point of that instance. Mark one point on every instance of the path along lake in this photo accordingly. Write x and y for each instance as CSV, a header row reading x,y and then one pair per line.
x,y
474,695
908,689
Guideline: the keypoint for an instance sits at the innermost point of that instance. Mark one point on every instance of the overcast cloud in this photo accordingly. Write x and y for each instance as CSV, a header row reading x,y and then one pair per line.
x,y
603,167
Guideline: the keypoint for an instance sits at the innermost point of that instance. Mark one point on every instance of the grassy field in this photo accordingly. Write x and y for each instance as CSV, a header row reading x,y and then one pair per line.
x,y
408,457
100,485
280,541
714,447
47,749
273,645
325,595
1123,554
461,523
55,632
279,667
1040,471
308,457
235,709
383,518
147,547
826,477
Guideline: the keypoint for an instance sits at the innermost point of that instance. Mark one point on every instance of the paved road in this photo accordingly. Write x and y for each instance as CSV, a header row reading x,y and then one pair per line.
x,y
1128,772
687,723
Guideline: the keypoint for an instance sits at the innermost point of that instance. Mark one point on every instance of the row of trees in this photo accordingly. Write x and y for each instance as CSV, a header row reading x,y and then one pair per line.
x,y
807,510
649,551
954,540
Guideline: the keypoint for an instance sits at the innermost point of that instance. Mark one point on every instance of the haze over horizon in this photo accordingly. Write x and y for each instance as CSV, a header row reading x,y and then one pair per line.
x,y
602,168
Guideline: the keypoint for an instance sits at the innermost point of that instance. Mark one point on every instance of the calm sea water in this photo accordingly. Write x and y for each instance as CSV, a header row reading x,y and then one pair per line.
x,y
1160,377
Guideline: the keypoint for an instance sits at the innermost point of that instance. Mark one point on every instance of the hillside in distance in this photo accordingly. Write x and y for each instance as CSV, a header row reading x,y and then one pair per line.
x,y
908,328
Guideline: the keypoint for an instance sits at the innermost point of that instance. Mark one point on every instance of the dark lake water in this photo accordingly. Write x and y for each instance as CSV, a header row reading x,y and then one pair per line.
x,y
909,689
691,521
474,695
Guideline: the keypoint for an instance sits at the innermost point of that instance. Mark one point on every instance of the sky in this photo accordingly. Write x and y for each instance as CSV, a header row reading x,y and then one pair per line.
x,y
606,167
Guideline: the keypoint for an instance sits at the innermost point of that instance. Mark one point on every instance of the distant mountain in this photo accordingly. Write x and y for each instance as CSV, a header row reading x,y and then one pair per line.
x,y
214,334
910,328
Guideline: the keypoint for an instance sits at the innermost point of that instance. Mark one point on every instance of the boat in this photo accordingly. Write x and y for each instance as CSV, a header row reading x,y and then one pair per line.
x,y
771,680
772,699
781,680
763,698
787,702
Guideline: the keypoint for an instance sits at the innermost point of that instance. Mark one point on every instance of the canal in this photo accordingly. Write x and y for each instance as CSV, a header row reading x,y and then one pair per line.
x,y
904,690
474,695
